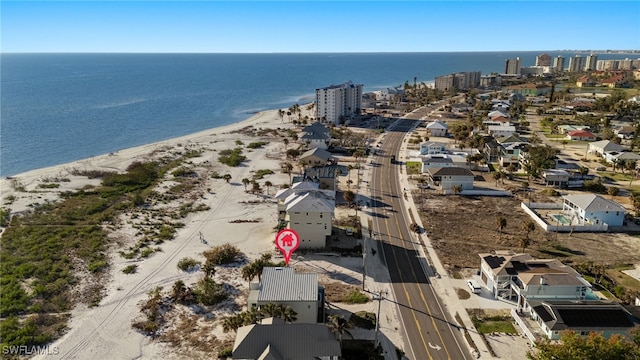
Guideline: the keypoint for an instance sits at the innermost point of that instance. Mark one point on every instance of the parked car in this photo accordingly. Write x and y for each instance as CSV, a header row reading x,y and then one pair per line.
x,y
601,168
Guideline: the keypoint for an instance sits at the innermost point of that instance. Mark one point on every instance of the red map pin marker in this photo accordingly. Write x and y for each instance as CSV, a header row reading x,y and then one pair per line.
x,y
287,241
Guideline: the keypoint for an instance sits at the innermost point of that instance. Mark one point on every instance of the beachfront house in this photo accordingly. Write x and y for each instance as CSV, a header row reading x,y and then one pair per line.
x,y
317,157
308,210
325,176
556,178
272,339
285,286
447,178
582,317
316,135
437,128
593,209
519,278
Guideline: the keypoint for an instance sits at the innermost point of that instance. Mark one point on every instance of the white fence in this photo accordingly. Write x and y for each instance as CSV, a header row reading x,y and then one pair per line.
x,y
529,209
523,326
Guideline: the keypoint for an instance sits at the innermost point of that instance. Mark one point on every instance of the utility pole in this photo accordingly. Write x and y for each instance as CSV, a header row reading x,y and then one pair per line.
x,y
379,298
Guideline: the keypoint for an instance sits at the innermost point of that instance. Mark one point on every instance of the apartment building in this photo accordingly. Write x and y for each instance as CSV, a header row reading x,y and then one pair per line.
x,y
512,66
461,80
576,64
591,62
543,60
336,104
558,64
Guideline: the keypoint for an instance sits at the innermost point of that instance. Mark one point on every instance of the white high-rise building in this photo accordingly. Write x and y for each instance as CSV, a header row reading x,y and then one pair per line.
x,y
590,65
576,64
558,64
337,103
512,66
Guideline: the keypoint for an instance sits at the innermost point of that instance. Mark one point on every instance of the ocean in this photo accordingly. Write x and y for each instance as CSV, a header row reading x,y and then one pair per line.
x,y
57,108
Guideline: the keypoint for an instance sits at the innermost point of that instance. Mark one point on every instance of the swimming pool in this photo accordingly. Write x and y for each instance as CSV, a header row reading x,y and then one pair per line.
x,y
561,218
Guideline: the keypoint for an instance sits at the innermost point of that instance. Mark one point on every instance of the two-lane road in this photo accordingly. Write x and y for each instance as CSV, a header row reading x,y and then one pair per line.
x,y
430,333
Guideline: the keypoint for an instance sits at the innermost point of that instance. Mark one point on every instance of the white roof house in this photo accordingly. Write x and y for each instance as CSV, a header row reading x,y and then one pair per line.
x,y
498,113
613,156
594,209
603,146
501,130
437,128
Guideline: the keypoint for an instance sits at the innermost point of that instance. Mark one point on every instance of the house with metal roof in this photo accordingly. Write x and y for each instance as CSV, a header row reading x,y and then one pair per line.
x,y
501,130
593,209
317,157
602,147
432,147
520,277
582,317
581,135
437,128
316,135
285,286
621,157
446,178
310,215
278,341
556,178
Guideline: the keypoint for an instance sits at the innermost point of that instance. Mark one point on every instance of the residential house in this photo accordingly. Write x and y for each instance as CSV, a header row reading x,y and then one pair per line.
x,y
492,150
460,109
316,135
582,317
581,135
565,129
432,147
437,128
501,130
501,105
446,178
625,132
585,81
498,113
444,160
497,121
614,81
556,178
317,157
510,153
285,286
273,340
603,146
621,158
325,176
520,278
593,209
309,211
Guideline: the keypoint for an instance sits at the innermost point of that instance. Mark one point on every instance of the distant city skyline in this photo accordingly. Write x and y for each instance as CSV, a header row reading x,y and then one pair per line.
x,y
318,26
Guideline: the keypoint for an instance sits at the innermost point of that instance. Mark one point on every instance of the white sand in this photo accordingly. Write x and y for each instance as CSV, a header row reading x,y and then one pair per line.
x,y
105,332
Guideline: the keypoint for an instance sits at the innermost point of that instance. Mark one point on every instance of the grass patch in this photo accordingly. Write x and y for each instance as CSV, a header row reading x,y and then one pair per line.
x,y
130,269
414,167
261,173
493,324
356,297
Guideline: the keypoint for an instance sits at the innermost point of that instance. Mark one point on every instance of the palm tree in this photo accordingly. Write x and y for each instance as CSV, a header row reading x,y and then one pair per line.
x,y
286,142
281,115
245,182
287,168
501,223
209,268
528,227
349,196
227,177
255,187
268,184
457,189
249,272
497,175
339,325
524,242
288,315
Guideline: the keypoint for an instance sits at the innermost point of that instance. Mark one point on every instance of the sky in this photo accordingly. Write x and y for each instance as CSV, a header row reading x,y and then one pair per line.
x,y
317,26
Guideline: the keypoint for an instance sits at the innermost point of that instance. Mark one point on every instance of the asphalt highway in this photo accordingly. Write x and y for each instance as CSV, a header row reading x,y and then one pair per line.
x,y
430,332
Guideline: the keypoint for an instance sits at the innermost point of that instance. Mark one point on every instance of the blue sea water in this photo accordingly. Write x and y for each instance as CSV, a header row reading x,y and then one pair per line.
x,y
57,108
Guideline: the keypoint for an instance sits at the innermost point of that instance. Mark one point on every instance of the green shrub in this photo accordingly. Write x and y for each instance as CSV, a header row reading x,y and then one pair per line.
x,y
130,269
166,232
97,266
223,254
184,171
231,157
356,297
225,353
49,186
146,252
261,173
188,264
5,216
257,145
208,292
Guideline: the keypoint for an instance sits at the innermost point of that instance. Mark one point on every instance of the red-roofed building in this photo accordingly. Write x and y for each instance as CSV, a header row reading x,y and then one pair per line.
x,y
581,135
585,81
614,81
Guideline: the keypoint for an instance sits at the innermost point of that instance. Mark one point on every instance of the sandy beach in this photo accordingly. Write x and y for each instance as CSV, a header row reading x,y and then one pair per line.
x,y
105,331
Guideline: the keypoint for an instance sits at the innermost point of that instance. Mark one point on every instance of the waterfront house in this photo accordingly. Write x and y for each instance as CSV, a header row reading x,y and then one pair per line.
x,y
316,135
325,176
432,147
273,340
593,209
317,157
556,178
285,286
